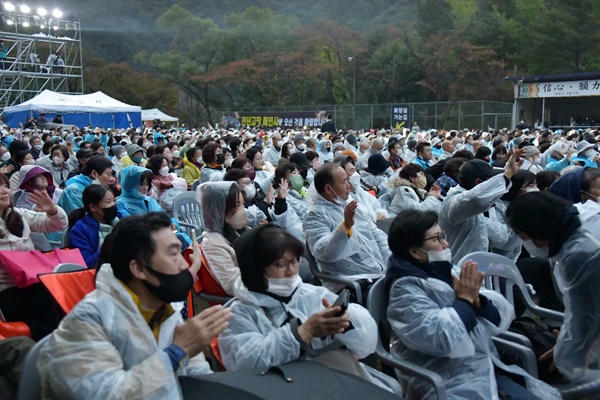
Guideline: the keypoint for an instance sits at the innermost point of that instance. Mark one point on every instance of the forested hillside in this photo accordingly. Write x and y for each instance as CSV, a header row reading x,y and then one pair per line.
x,y
231,53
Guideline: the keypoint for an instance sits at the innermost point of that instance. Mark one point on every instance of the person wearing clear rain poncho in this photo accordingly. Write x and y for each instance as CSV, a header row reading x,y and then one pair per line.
x,y
555,228
223,216
126,339
278,319
340,234
444,321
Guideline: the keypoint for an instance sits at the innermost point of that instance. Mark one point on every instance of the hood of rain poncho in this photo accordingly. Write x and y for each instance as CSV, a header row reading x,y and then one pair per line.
x,y
377,164
212,197
322,147
130,182
77,143
568,186
28,173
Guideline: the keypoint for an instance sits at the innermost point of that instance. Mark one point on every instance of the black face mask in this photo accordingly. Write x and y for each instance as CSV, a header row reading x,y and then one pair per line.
x,y
172,288
304,173
220,158
109,213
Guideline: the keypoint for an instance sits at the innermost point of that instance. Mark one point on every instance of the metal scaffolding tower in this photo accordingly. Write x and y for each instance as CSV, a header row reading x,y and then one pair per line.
x,y
41,53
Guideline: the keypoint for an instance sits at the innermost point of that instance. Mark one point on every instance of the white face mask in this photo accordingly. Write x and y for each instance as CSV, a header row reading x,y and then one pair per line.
x,y
238,220
250,191
30,162
58,160
301,147
439,255
123,154
6,156
96,182
228,162
279,143
176,154
530,189
38,147
164,171
355,179
535,251
283,287
337,199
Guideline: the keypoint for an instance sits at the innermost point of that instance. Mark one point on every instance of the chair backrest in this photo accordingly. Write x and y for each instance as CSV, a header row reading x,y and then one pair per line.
x,y
66,239
195,185
495,267
384,224
178,172
186,209
377,302
41,242
30,382
313,264
16,196
69,288
69,267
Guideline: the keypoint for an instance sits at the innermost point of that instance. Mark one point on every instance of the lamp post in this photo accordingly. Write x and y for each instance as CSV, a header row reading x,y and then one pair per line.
x,y
353,61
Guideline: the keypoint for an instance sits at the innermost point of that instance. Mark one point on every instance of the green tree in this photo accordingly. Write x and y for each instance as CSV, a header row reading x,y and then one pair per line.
x,y
194,51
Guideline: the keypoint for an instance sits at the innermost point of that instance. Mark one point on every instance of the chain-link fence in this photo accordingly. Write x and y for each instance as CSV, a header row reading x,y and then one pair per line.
x,y
438,115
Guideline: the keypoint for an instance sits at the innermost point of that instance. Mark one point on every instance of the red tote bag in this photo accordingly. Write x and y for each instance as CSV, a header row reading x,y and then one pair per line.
x,y
25,266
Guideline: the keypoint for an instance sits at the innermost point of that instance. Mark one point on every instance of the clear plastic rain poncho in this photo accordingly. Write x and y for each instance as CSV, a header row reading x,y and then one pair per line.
x,y
428,331
577,273
219,254
212,197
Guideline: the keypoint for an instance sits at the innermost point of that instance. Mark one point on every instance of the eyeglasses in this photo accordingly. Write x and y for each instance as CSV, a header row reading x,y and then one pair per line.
x,y
441,237
282,265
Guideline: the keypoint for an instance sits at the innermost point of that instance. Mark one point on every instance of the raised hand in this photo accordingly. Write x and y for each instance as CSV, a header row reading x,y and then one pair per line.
x,y
43,202
349,213
467,287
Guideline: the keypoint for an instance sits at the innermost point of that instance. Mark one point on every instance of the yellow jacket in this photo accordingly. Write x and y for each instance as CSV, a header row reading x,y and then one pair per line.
x,y
190,172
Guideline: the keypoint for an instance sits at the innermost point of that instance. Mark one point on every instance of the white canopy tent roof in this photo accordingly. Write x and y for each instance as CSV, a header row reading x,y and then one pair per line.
x,y
53,102
155,113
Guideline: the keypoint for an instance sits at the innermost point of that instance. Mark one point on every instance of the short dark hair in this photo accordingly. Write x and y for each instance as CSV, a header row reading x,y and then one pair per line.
x,y
252,152
410,171
97,163
422,145
191,152
63,150
132,240
281,172
519,179
270,244
239,162
545,179
235,174
311,155
452,166
155,163
466,154
588,177
539,215
209,153
408,231
324,176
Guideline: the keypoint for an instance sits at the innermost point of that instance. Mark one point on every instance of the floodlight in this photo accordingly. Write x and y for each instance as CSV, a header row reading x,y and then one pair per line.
x,y
10,22
9,6
42,11
55,27
57,13
25,9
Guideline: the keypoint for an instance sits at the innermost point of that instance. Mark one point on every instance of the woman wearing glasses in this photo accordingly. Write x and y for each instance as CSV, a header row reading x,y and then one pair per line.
x,y
445,323
279,319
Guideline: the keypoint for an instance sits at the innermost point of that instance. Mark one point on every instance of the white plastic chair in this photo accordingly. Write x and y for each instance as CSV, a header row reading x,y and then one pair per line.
x,y
186,210
496,267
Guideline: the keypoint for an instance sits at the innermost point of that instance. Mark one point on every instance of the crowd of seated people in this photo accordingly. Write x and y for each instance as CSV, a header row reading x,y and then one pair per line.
x,y
292,221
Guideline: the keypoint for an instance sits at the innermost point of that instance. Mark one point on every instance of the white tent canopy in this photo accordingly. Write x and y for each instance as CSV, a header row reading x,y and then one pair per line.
x,y
53,102
155,113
